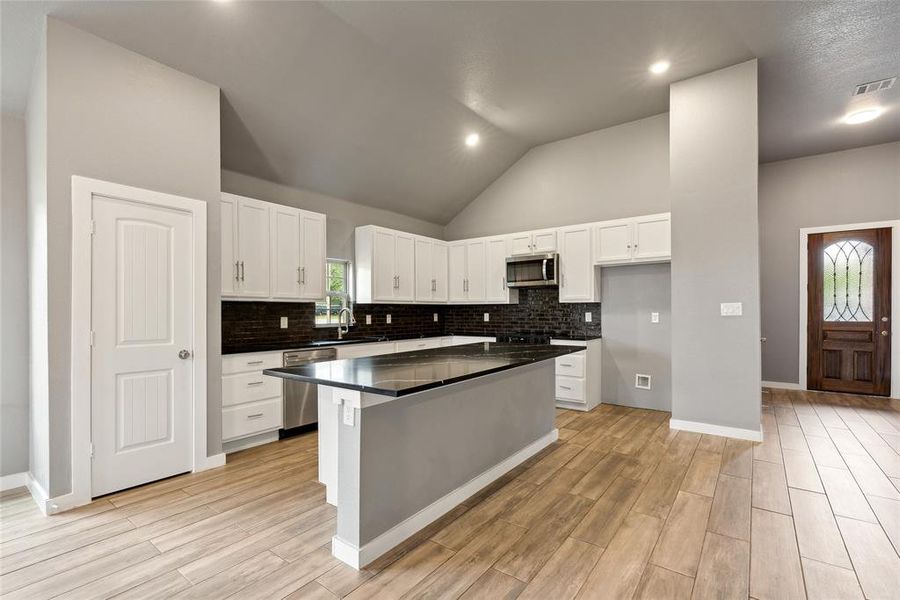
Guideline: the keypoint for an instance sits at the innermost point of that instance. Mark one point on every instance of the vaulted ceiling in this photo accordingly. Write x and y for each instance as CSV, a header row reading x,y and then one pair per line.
x,y
371,101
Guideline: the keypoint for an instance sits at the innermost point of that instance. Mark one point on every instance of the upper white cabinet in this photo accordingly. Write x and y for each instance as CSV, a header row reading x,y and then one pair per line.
x,y
431,270
533,242
576,277
496,289
270,251
245,246
298,254
637,239
467,271
385,265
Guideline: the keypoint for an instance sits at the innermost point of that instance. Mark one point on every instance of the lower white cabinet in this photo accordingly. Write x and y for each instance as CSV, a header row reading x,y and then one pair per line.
x,y
420,344
252,403
578,375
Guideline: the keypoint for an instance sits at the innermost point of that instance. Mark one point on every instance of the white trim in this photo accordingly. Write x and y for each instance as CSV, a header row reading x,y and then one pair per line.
x,y
38,493
895,291
210,462
259,439
754,435
83,190
13,481
781,385
356,557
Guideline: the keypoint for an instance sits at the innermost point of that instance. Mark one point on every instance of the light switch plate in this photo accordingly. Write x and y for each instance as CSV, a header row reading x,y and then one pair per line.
x,y
284,322
654,317
389,319
588,317
368,319
349,415
435,318
731,309
487,317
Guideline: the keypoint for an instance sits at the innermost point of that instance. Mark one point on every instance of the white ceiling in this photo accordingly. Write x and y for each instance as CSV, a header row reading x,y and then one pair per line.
x,y
370,101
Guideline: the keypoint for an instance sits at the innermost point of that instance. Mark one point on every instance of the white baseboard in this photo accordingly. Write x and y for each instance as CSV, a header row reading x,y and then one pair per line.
x,y
781,385
754,435
211,462
249,442
13,481
357,557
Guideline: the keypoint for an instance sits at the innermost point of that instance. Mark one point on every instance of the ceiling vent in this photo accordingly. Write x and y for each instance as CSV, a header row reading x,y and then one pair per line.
x,y
874,86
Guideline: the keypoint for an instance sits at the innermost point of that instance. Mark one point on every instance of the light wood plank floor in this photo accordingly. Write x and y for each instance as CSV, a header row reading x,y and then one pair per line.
x,y
621,507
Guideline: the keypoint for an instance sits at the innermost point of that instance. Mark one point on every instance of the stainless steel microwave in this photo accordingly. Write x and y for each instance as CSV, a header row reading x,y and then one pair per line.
x,y
534,270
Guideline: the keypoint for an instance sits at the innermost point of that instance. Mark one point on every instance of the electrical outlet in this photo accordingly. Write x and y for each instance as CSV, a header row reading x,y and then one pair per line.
x,y
588,317
349,415
654,317
731,309
487,317
284,322
388,320
435,318
368,319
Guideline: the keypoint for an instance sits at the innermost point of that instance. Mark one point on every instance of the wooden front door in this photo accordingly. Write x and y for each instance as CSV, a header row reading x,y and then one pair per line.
x,y
849,310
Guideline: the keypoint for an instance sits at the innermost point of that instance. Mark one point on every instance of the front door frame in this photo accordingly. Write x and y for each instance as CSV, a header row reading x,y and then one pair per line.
x,y
805,232
83,191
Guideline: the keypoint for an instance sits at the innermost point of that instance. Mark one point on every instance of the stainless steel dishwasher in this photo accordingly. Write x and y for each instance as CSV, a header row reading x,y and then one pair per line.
x,y
301,399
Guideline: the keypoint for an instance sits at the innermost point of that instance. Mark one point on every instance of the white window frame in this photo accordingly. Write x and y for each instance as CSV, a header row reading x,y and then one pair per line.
x,y
346,297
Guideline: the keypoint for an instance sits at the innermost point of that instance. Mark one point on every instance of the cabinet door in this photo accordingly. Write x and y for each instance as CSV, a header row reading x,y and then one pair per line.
x,y
424,270
312,269
439,271
253,247
520,244
495,286
577,270
543,241
285,245
652,237
404,257
383,274
612,242
230,269
476,262
456,272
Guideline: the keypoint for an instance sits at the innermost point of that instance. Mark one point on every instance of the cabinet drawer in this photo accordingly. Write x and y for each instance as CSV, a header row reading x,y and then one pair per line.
x,y
424,344
247,419
241,363
249,387
570,388
571,365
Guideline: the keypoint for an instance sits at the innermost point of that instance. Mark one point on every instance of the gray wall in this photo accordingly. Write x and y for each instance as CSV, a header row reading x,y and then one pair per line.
x,y
840,188
13,299
38,338
631,343
715,247
617,172
118,116
343,216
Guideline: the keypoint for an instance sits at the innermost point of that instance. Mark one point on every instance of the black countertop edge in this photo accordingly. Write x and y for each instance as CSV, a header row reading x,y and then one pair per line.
x,y
284,346
293,373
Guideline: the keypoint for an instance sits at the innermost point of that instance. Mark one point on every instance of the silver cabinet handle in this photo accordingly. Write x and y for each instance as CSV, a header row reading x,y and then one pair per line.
x,y
303,275
254,383
254,362
184,354
565,364
254,416
544,268
503,280
298,276
565,387
562,278
237,270
242,270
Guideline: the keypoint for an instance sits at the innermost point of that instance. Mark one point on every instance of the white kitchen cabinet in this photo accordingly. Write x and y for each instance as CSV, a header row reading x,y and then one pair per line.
x,y
251,402
533,242
431,270
245,245
577,282
418,344
270,251
637,239
578,375
496,289
466,271
385,265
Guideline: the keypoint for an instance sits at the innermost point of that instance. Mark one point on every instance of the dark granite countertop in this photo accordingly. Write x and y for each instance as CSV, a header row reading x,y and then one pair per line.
x,y
406,373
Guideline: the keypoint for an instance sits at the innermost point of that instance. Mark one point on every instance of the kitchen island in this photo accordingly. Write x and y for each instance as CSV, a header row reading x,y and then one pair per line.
x,y
406,437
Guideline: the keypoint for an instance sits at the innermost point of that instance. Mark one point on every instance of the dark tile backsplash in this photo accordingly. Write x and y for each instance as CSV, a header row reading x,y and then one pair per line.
x,y
250,326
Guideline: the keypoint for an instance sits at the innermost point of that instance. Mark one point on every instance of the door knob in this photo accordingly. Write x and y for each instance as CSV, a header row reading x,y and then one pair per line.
x,y
184,354
884,319
884,333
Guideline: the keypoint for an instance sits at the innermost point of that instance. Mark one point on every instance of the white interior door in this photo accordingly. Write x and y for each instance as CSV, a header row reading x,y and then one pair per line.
x,y
142,317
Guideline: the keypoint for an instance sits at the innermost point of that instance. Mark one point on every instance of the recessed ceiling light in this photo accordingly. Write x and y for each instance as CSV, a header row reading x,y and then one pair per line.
x,y
659,67
472,140
863,116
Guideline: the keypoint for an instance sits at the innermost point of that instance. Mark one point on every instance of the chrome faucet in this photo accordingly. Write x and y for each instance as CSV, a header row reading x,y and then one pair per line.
x,y
341,328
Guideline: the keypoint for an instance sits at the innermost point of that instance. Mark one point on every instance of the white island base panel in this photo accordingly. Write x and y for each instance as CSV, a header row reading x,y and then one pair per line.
x,y
392,466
